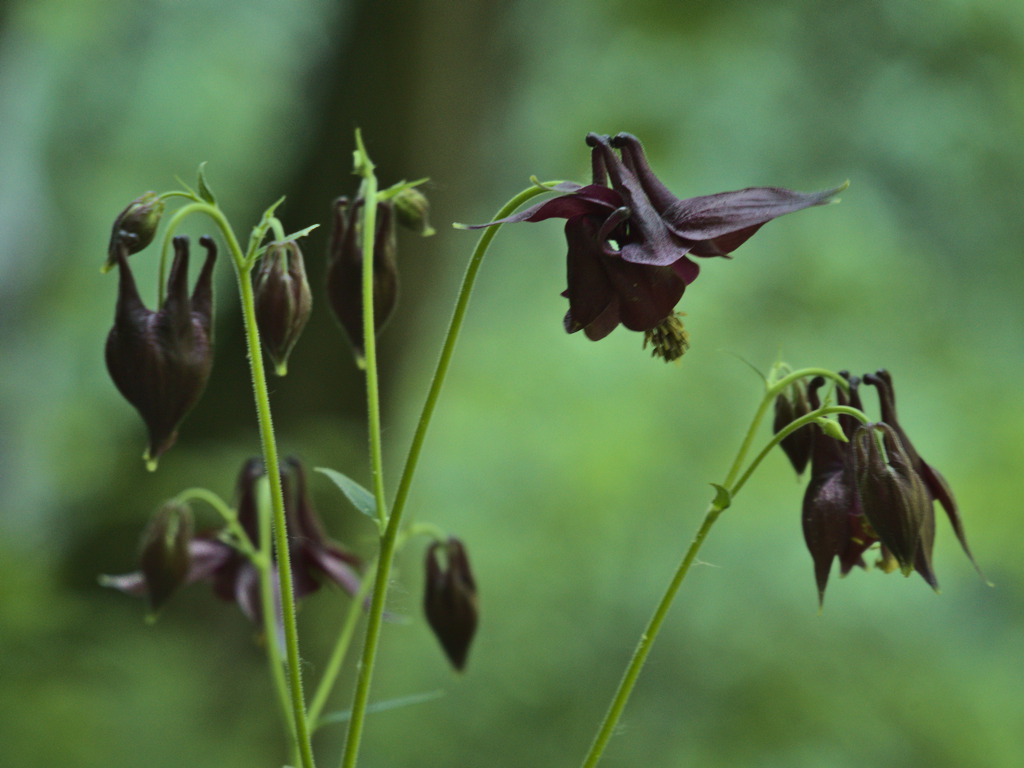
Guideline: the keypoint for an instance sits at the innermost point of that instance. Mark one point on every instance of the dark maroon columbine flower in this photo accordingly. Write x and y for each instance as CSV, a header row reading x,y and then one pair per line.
x,y
790,406
630,241
450,600
233,576
894,499
935,484
834,525
161,361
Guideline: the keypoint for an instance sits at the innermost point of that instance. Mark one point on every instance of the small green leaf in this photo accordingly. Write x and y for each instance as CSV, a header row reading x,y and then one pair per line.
x,y
204,189
723,499
361,498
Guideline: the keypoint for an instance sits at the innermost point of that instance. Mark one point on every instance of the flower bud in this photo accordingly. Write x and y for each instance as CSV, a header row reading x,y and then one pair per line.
x,y
450,600
345,270
135,227
894,498
413,211
283,301
165,558
160,361
791,405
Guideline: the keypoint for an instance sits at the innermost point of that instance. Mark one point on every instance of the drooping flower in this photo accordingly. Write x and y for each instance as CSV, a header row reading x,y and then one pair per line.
x,y
834,525
630,240
161,360
894,499
935,484
232,575
450,599
790,406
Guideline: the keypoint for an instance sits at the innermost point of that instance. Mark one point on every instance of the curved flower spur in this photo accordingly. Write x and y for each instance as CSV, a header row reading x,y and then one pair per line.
x,y
630,241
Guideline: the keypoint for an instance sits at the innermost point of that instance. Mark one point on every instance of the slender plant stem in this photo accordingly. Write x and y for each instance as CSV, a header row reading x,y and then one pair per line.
x,y
388,539
243,268
333,667
731,486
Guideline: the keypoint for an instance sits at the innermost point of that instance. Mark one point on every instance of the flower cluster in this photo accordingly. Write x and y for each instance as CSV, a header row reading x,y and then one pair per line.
x,y
630,241
872,488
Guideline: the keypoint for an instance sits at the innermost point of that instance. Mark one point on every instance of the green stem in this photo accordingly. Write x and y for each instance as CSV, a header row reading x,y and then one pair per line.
x,y
389,537
731,486
273,468
333,667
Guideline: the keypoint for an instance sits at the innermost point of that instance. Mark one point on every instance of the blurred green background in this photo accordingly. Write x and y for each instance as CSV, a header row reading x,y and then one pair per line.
x,y
576,472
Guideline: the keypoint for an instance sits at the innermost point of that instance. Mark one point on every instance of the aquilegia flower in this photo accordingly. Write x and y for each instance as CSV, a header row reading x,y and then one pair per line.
x,y
210,557
630,241
161,360
874,488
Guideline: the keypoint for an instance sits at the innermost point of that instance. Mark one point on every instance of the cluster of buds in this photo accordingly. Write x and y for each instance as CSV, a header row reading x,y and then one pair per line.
x,y
870,488
172,556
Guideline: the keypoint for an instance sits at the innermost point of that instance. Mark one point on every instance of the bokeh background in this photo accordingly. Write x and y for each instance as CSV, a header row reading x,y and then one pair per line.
x,y
576,472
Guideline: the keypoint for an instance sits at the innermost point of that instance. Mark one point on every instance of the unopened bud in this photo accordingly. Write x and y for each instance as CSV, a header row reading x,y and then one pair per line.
x,y
135,227
413,210
450,600
165,557
283,301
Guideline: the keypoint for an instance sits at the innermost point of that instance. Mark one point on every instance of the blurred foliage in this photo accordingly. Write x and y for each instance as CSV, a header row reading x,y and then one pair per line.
x,y
575,472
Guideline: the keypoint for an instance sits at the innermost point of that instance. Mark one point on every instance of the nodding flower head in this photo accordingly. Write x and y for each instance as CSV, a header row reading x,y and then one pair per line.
x,y
631,240
161,360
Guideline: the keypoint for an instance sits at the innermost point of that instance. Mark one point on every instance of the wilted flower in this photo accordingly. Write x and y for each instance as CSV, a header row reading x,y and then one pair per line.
x,y
450,600
135,227
233,576
160,361
834,525
283,301
630,242
345,269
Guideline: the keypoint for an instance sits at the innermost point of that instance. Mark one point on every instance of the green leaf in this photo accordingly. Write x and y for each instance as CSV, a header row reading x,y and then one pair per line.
x,y
361,498
204,189
723,499
343,716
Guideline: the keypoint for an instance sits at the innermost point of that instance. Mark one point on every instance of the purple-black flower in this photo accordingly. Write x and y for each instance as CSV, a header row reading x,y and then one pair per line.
x,y
160,361
834,525
630,240
232,575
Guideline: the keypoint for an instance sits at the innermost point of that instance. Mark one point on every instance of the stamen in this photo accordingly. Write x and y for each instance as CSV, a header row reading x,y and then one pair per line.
x,y
668,339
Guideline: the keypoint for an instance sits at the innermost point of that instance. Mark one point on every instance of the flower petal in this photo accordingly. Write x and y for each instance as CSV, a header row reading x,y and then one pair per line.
x,y
738,213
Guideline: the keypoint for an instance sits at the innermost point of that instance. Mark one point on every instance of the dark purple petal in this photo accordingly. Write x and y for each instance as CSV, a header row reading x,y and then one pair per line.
x,y
738,213
635,160
594,200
